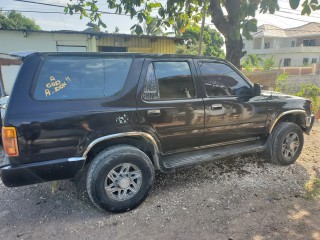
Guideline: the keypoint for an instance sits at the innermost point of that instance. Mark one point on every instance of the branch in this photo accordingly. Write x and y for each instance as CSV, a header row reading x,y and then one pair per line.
x,y
218,18
233,8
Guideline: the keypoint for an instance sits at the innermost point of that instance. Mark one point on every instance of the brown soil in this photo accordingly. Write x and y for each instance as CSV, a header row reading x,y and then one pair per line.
x,y
241,198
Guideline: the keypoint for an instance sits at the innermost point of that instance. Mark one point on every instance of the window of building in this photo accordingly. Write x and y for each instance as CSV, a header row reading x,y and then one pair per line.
x,y
314,60
257,43
293,43
305,61
309,42
81,77
221,80
168,80
287,62
266,45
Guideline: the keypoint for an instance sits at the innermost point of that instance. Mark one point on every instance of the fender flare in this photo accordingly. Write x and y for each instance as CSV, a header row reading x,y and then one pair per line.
x,y
275,121
148,137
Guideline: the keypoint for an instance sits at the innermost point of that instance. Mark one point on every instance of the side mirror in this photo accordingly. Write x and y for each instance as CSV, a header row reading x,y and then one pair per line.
x,y
256,89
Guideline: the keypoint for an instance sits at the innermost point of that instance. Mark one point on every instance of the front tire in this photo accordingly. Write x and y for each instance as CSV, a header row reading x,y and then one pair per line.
x,y
120,178
286,143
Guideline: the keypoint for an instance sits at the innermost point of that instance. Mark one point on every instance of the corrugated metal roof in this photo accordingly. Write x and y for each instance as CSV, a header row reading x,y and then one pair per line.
x,y
100,34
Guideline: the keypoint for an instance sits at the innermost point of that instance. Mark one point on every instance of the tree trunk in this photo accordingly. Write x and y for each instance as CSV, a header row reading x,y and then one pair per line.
x,y
229,27
234,50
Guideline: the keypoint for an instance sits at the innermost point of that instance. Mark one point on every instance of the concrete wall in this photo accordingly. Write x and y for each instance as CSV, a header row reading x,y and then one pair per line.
x,y
265,78
303,79
12,41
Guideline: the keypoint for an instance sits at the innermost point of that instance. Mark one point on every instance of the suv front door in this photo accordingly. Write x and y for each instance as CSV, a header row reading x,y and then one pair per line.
x,y
169,105
232,113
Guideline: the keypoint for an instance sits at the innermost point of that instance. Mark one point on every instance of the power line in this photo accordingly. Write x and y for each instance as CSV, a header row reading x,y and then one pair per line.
x,y
55,5
295,13
293,18
46,4
33,11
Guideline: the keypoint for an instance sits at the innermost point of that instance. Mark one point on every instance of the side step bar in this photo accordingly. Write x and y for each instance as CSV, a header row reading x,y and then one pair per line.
x,y
204,155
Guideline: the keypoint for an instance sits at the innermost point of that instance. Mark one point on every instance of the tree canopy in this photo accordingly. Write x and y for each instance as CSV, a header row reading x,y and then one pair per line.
x,y
15,20
152,28
213,42
232,18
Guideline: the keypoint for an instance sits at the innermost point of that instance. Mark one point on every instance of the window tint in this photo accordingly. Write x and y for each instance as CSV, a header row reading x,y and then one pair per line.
x,y
81,77
221,80
168,80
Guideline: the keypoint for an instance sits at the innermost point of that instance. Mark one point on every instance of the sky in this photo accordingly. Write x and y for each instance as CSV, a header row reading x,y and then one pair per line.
x,y
285,18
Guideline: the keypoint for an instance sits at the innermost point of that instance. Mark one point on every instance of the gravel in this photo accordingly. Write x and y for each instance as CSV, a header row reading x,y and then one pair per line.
x,y
238,198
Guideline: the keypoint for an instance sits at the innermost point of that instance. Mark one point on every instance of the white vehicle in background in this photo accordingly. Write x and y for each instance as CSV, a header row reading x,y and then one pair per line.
x,y
9,68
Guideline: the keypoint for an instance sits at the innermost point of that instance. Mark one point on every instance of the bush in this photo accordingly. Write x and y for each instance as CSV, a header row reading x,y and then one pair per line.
x,y
268,63
282,84
250,62
311,92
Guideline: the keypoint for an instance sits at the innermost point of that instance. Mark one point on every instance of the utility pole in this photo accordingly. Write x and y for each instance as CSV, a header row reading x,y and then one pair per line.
x,y
204,11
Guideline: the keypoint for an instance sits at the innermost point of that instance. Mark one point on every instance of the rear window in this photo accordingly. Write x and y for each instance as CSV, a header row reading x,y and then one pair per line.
x,y
81,78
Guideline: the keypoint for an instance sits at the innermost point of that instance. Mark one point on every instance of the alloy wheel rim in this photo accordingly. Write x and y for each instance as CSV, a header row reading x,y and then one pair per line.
x,y
290,145
123,182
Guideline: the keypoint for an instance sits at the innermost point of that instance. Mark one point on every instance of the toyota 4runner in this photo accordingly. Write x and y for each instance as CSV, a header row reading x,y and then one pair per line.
x,y
123,116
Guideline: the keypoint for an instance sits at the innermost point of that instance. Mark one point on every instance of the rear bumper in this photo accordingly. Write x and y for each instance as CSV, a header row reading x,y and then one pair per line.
x,y
31,173
309,123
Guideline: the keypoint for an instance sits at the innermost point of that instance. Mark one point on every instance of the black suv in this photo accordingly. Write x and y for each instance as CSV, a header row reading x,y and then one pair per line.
x,y
121,116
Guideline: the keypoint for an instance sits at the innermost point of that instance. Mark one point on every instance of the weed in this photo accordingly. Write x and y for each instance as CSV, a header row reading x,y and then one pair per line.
x,y
312,188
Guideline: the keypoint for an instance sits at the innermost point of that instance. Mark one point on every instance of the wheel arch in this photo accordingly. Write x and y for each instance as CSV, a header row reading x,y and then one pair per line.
x,y
295,116
143,141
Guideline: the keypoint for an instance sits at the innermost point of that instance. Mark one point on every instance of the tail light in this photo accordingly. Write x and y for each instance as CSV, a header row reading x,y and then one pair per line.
x,y
9,141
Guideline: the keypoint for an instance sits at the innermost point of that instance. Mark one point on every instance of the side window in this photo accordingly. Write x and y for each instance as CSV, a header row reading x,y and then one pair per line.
x,y
221,80
80,77
168,80
151,88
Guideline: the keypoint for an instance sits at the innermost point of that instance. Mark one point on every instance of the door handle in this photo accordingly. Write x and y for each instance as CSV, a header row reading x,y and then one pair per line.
x,y
154,113
216,106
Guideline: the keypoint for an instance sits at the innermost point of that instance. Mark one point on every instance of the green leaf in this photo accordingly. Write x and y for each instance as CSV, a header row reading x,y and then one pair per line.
x,y
294,4
167,23
138,29
306,10
249,26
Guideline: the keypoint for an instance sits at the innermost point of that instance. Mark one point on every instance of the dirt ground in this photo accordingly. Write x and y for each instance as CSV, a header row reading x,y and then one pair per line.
x,y
241,198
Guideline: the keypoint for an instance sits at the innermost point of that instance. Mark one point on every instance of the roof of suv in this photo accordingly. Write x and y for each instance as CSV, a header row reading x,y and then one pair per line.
x,y
143,55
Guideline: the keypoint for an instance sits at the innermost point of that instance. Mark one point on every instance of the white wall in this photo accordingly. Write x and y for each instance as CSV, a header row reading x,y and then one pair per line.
x,y
13,41
284,42
283,49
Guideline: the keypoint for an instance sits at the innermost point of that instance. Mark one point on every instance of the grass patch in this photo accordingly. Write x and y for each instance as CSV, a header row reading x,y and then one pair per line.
x,y
312,188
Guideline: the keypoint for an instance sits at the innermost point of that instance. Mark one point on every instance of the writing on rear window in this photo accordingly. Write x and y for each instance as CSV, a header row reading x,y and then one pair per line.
x,y
55,85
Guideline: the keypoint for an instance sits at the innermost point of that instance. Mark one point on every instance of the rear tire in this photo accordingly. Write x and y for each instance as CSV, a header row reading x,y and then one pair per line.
x,y
286,143
120,178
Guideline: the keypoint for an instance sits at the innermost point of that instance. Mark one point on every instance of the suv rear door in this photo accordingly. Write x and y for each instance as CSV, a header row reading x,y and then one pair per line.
x,y
232,113
169,104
